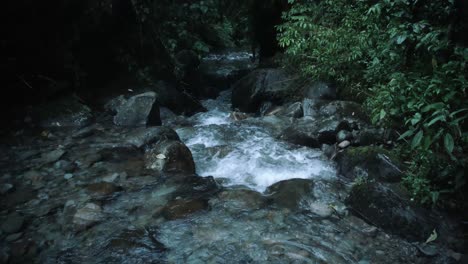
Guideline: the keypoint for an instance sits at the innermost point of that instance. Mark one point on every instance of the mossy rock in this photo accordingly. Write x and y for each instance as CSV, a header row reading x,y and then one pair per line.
x,y
370,162
386,206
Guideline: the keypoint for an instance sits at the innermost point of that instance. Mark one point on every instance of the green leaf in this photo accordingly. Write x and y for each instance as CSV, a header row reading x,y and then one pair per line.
x,y
406,134
416,119
437,106
432,237
448,143
417,139
438,118
382,114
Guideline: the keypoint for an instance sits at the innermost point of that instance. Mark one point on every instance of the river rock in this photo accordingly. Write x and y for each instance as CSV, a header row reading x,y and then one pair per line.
x,y
387,207
13,223
114,104
64,112
369,162
320,90
223,69
259,86
312,132
181,208
88,215
170,156
289,193
141,137
339,110
292,110
241,199
177,101
6,188
103,188
52,156
139,110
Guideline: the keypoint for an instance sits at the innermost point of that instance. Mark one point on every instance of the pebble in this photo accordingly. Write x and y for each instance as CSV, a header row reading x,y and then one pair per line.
x,y
68,176
87,216
13,223
5,188
344,144
52,156
13,237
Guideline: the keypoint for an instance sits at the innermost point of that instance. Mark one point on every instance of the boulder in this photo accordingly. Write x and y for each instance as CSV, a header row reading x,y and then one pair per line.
x,y
181,208
223,69
369,162
312,132
259,86
138,110
177,101
387,207
141,137
292,110
289,193
343,110
64,112
170,156
320,90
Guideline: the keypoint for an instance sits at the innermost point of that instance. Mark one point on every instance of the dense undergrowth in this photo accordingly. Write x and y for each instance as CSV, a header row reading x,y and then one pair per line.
x,y
407,62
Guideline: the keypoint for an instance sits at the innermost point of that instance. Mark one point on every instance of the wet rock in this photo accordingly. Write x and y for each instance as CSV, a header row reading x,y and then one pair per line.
x,y
343,135
170,156
52,156
311,132
64,112
147,136
241,199
321,209
19,196
6,188
259,86
223,69
23,251
13,223
103,188
238,116
139,110
181,208
179,102
13,237
328,150
68,176
137,240
293,110
114,104
339,110
289,193
372,136
387,207
65,165
87,216
369,162
344,144
89,160
84,132
320,90
194,187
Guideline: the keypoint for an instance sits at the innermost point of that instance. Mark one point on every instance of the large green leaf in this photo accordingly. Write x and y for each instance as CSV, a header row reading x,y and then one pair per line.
x,y
448,143
417,139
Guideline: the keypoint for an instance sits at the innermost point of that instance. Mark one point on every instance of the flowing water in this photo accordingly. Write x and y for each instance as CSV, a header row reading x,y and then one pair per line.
x,y
247,154
244,222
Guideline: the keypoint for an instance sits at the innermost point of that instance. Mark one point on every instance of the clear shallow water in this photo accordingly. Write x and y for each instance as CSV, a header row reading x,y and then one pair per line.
x,y
247,154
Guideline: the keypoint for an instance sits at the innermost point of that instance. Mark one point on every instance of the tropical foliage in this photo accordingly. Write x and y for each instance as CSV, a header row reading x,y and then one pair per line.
x,y
402,59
